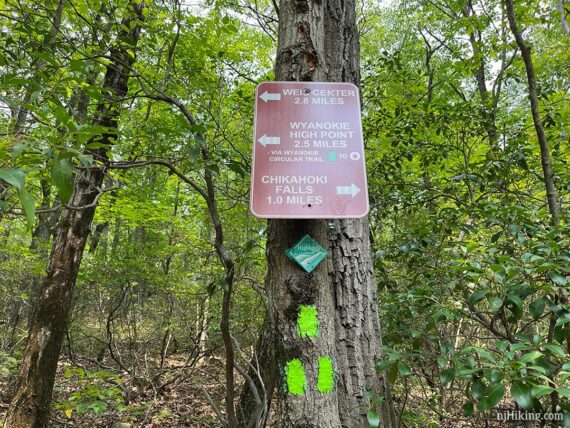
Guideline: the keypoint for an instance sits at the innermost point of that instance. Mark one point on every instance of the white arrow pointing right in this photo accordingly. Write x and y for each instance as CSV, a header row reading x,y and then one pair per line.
x,y
268,96
352,190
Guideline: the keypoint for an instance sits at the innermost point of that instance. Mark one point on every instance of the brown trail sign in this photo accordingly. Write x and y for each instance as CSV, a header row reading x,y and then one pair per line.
x,y
308,153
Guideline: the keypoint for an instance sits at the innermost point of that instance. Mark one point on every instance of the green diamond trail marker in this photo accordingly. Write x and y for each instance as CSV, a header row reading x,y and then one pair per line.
x,y
307,253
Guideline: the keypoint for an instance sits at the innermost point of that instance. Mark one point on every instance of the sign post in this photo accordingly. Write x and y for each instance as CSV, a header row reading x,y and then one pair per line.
x,y
308,152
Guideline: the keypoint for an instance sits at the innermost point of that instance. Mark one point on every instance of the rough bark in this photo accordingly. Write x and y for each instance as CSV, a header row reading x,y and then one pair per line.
x,y
562,11
290,289
318,41
100,229
358,333
548,175
30,406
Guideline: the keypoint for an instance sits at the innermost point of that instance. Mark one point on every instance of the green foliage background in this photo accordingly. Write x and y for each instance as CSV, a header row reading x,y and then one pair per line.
x,y
472,277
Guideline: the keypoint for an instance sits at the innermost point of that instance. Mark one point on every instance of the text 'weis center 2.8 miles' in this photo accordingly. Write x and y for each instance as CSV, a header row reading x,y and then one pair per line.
x,y
308,153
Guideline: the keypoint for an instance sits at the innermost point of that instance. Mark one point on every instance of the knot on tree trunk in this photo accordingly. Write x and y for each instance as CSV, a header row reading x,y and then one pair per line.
x,y
302,293
302,62
301,6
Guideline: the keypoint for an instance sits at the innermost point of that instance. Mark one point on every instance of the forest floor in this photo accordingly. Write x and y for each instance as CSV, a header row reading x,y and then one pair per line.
x,y
89,399
93,402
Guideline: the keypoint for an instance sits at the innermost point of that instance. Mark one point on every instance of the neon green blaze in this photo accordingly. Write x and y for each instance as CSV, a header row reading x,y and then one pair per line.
x,y
295,377
325,382
308,326
308,321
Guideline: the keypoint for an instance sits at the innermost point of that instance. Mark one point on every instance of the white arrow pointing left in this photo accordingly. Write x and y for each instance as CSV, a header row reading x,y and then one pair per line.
x,y
265,140
352,190
268,96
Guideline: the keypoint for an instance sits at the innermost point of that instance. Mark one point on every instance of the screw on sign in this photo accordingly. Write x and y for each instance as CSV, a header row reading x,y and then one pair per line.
x,y
308,152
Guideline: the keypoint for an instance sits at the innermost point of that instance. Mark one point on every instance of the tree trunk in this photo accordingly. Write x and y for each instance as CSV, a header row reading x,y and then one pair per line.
x,y
318,41
562,11
254,406
488,113
228,264
292,289
30,406
202,324
551,194
39,66
358,333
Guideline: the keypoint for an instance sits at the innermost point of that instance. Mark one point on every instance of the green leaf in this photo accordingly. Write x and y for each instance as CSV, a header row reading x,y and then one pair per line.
x,y
565,392
500,275
35,95
214,168
496,376
555,349
501,345
86,160
492,396
14,177
477,296
61,173
373,419
515,304
28,205
495,303
514,229
563,319
18,149
237,168
522,394
540,390
496,236
531,356
537,308
486,354
477,389
520,347
404,369
447,376
442,315
468,409
563,376
558,278
384,365
520,290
